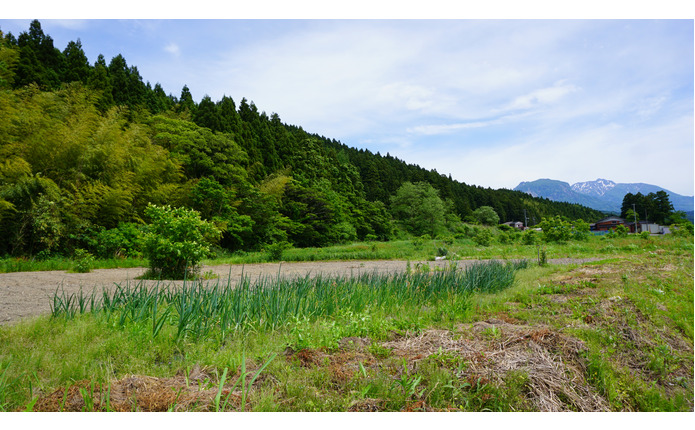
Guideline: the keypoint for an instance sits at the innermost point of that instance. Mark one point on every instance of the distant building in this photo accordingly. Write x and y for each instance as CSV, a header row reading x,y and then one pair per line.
x,y
607,224
515,224
645,226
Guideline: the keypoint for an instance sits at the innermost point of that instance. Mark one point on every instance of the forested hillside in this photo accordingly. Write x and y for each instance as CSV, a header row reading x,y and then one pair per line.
x,y
84,148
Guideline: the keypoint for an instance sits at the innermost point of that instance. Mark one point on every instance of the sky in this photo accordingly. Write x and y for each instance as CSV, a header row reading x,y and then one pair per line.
x,y
491,101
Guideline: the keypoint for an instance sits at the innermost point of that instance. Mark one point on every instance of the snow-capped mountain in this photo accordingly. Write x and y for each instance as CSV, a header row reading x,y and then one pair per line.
x,y
601,194
597,187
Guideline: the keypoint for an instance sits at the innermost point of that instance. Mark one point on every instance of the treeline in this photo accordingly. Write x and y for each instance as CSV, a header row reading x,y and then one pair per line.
x,y
85,148
653,207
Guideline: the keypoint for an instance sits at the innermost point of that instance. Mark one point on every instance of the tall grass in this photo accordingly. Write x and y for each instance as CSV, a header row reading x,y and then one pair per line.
x,y
198,310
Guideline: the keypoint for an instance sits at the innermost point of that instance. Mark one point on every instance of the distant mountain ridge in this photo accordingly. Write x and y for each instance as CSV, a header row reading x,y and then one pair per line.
x,y
601,194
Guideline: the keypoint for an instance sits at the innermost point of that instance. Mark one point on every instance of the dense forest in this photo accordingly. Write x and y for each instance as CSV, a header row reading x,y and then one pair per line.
x,y
84,148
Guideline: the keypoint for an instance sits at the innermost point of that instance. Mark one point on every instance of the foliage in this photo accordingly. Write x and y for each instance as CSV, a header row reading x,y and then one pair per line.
x,y
276,249
419,209
125,240
84,261
682,229
656,207
619,231
177,239
557,229
530,237
483,238
486,215
84,148
400,357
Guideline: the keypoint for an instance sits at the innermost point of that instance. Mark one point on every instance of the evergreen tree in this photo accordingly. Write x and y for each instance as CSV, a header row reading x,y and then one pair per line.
x,y
206,114
100,81
186,103
77,66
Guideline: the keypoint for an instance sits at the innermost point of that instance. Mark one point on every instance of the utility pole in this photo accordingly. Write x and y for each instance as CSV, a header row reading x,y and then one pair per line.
x,y
634,212
525,219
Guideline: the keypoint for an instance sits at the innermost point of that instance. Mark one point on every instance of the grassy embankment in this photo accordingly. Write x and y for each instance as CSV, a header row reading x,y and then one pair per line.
x,y
611,335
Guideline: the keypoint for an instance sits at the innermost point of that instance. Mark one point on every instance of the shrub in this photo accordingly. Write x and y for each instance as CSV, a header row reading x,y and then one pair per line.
x,y
560,230
84,261
276,249
684,229
507,237
619,231
126,240
483,238
176,241
530,237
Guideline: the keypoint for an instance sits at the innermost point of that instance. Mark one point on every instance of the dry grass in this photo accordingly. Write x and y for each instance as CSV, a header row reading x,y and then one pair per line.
x,y
138,393
551,360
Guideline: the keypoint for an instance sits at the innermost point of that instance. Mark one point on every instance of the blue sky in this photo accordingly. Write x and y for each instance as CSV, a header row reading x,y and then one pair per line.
x,y
492,102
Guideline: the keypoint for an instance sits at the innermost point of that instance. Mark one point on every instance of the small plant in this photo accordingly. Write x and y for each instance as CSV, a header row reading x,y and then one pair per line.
x,y
542,256
210,275
422,267
379,351
492,332
244,385
84,261
408,382
275,250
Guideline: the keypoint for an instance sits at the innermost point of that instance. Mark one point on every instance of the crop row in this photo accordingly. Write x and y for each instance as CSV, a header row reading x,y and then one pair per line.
x,y
199,310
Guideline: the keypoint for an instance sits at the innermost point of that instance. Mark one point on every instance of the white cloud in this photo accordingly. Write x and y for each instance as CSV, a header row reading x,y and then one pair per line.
x,y
541,97
173,49
611,151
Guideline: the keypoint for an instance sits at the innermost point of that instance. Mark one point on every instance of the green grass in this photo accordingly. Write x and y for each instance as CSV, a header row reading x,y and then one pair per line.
x,y
23,264
415,249
336,344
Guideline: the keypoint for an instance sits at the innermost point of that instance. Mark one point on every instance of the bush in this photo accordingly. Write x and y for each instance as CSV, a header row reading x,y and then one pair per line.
x,y
507,237
276,249
684,229
560,230
84,261
126,240
530,237
176,241
619,231
483,238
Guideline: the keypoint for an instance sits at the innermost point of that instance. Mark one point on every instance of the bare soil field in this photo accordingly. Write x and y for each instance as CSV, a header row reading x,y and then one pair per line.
x,y
28,294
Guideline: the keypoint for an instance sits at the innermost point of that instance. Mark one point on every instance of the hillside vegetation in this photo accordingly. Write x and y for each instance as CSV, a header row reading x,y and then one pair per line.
x,y
85,148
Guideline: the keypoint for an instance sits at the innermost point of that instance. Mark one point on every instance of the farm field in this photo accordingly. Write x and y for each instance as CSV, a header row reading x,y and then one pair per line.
x,y
609,327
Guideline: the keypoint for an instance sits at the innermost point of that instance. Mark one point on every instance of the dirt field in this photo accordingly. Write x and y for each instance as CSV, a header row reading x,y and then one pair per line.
x,y
27,294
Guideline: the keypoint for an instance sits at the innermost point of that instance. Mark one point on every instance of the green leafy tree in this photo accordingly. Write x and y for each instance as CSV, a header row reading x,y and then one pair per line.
x,y
557,229
219,205
176,241
9,55
486,215
419,209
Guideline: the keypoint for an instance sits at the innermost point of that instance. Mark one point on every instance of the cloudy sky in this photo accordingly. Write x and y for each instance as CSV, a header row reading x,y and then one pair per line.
x,y
492,102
